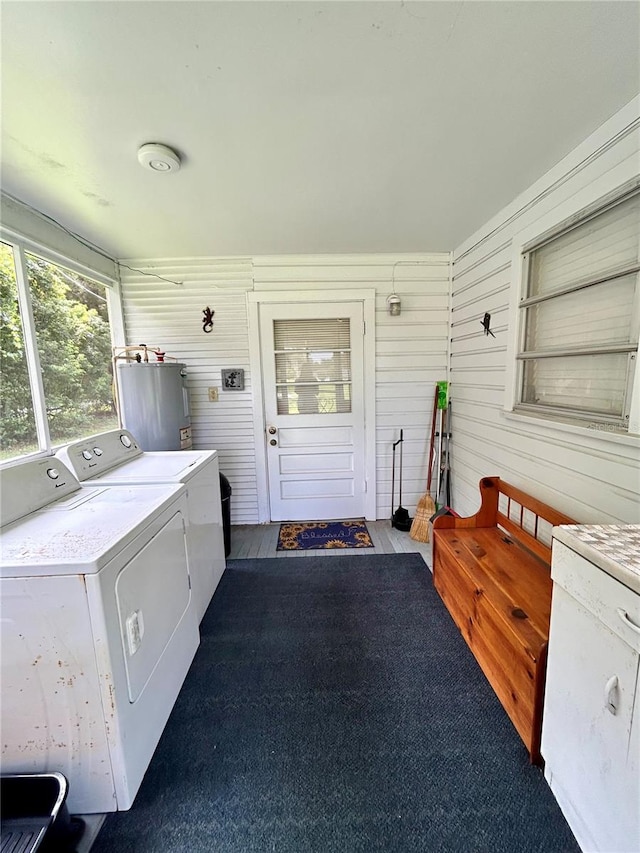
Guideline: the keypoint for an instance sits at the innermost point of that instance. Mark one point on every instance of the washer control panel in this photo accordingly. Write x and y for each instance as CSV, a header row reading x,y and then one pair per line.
x,y
91,457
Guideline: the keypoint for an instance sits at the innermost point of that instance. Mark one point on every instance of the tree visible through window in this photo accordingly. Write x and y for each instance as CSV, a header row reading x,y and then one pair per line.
x,y
73,342
17,421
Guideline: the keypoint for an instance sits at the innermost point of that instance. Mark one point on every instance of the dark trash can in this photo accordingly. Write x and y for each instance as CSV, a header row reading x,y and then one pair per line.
x,y
35,815
225,497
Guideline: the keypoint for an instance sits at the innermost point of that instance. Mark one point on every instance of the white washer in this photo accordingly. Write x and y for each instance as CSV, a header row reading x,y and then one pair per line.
x,y
98,628
116,458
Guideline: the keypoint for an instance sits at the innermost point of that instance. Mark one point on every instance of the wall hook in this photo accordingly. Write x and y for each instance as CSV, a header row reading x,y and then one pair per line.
x,y
486,323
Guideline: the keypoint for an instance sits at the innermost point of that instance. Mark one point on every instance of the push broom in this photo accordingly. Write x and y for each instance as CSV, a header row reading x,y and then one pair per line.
x,y
426,505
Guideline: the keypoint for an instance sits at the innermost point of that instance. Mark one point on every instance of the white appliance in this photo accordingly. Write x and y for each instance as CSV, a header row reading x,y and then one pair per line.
x,y
591,720
154,403
116,458
98,628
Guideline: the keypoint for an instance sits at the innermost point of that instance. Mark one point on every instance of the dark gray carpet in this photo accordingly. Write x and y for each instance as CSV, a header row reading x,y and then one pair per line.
x,y
333,706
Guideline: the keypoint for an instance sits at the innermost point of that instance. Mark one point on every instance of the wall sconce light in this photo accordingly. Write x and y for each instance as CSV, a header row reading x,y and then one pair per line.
x,y
395,304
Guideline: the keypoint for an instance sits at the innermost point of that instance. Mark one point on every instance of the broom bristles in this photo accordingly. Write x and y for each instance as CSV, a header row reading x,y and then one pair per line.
x,y
420,525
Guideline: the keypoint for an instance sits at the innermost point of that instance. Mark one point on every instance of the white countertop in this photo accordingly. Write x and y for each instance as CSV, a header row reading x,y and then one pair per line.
x,y
614,548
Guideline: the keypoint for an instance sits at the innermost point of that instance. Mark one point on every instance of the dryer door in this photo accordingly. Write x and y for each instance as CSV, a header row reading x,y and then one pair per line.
x,y
153,593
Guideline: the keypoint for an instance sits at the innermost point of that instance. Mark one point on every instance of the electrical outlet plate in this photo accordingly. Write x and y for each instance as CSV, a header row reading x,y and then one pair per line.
x,y
213,395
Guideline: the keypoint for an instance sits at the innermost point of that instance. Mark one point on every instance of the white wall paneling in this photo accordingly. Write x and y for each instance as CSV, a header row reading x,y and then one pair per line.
x,y
157,312
410,354
590,475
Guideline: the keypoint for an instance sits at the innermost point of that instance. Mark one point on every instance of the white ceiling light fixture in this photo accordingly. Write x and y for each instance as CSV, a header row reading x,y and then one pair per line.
x,y
158,158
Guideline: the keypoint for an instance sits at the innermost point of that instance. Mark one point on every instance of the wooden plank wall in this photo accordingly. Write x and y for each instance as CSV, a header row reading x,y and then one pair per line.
x,y
586,474
411,350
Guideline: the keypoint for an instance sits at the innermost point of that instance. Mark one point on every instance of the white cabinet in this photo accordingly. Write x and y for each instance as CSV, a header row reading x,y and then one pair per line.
x,y
591,721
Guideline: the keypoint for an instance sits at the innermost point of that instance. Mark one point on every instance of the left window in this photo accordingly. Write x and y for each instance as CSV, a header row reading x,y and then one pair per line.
x,y
55,355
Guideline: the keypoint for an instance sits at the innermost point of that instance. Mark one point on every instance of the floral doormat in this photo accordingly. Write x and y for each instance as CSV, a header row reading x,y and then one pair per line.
x,y
313,535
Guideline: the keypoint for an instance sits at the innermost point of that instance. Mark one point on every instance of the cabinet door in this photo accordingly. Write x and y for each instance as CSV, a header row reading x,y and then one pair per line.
x,y
589,739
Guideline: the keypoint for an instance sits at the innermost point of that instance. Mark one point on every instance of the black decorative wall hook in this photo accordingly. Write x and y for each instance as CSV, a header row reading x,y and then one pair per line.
x,y
486,324
207,322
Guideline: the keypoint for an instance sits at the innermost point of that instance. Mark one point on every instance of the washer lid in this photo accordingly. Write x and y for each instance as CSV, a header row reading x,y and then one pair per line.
x,y
116,457
160,466
76,536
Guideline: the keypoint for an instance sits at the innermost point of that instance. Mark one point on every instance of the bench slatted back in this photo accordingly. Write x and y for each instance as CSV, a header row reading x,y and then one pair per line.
x,y
515,526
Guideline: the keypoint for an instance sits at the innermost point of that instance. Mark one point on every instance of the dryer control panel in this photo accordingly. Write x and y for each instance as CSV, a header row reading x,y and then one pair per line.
x,y
32,484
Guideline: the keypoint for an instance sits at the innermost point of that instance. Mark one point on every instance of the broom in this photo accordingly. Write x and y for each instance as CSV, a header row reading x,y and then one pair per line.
x,y
426,505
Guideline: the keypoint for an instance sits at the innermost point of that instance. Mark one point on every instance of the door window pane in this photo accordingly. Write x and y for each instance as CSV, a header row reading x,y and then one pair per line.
x,y
17,422
74,344
313,366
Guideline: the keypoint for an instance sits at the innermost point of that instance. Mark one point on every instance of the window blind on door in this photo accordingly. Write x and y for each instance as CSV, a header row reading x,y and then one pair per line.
x,y
313,366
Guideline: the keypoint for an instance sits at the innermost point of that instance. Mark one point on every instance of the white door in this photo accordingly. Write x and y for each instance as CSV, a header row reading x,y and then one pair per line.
x,y
313,379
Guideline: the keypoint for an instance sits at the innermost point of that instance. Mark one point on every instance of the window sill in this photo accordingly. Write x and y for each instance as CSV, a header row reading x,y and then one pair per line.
x,y
26,457
600,432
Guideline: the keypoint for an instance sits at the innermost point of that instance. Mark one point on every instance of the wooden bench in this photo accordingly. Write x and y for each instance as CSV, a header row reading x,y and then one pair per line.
x,y
492,571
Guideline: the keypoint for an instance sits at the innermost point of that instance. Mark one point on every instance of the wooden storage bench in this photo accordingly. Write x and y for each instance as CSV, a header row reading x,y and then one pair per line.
x,y
492,571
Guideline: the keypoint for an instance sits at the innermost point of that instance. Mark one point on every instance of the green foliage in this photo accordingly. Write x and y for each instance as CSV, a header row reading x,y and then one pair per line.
x,y
74,346
16,411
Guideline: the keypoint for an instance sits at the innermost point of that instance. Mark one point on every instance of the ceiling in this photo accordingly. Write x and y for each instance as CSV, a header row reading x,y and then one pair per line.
x,y
304,127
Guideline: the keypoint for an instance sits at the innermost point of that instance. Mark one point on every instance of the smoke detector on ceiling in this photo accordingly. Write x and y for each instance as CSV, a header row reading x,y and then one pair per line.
x,y
158,158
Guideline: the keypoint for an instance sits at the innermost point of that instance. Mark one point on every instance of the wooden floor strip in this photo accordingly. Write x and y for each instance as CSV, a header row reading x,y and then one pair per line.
x,y
260,540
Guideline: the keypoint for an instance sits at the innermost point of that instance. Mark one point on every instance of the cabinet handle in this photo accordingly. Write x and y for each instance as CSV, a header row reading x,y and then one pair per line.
x,y
609,698
624,616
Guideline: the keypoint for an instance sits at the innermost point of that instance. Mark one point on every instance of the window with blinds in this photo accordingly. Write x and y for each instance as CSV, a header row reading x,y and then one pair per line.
x,y
313,366
581,317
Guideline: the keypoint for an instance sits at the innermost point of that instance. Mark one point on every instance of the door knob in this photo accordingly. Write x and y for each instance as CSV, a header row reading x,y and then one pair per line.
x,y
273,442
272,430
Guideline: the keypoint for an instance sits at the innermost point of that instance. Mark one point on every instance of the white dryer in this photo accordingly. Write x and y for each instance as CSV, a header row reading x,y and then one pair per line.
x,y
116,458
98,628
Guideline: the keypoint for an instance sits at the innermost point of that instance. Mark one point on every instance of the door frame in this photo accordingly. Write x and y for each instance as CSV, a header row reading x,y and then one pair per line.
x,y
368,299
